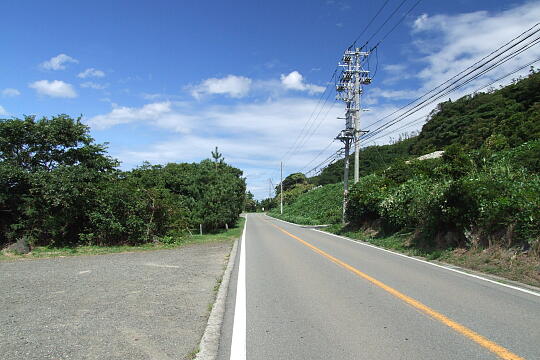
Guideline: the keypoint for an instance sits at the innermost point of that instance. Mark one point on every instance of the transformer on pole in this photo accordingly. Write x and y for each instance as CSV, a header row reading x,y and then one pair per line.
x,y
349,90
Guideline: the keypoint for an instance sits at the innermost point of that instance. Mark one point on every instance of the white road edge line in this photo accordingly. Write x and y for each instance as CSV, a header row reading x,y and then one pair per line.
x,y
422,261
238,341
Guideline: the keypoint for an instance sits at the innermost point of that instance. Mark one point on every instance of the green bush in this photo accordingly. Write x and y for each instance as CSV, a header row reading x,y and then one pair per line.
x,y
365,198
506,196
414,204
57,187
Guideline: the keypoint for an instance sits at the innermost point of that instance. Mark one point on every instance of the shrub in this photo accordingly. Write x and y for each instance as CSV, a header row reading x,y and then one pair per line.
x,y
414,204
365,198
506,196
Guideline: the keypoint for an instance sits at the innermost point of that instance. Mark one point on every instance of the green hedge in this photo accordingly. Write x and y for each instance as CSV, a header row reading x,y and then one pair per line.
x,y
487,196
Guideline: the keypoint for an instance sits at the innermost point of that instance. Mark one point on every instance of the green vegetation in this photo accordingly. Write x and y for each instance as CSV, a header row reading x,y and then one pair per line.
x,y
512,112
321,205
482,197
165,243
60,189
372,159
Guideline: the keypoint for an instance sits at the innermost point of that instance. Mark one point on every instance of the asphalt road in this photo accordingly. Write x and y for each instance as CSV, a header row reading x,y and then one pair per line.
x,y
310,295
142,305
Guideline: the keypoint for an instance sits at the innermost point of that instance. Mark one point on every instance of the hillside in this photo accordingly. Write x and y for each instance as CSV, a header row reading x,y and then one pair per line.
x,y
322,205
372,158
484,193
512,111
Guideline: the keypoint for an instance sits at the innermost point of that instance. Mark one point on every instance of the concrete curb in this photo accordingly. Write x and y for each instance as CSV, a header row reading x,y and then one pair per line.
x,y
209,345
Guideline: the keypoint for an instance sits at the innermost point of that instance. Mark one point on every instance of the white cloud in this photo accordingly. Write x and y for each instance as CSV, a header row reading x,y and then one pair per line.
x,y
451,43
251,135
55,88
10,92
420,22
295,81
58,62
3,111
152,96
91,72
394,68
159,114
231,85
93,85
393,94
254,135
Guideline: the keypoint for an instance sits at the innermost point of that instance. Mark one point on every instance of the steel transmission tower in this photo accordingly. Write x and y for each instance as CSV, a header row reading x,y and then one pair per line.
x,y
349,90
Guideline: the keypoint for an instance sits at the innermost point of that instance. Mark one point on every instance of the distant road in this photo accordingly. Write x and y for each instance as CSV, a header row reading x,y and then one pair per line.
x,y
310,295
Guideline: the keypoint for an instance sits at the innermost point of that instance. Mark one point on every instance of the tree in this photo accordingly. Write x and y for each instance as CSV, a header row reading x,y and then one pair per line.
x,y
217,157
51,171
57,187
250,204
291,181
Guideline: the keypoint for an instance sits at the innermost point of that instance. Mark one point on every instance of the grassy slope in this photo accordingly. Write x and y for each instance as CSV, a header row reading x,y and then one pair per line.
x,y
319,206
495,261
45,251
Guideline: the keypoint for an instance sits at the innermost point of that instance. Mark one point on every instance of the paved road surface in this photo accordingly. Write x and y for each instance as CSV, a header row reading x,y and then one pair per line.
x,y
311,295
143,305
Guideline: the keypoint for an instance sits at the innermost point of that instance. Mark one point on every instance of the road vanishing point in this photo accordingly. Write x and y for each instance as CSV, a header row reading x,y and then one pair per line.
x,y
299,293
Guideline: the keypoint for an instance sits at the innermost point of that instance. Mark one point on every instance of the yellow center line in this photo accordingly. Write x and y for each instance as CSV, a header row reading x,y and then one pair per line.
x,y
495,348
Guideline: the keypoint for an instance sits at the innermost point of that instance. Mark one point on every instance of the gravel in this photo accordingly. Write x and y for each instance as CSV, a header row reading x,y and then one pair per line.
x,y
143,305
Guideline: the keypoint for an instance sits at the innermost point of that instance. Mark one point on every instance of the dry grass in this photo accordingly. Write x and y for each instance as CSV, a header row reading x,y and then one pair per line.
x,y
507,263
511,264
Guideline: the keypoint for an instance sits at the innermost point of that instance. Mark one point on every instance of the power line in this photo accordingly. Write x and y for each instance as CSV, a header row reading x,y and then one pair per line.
x,y
396,24
455,76
457,83
384,23
314,125
409,124
370,22
326,161
301,133
434,99
379,135
318,155
309,127
507,75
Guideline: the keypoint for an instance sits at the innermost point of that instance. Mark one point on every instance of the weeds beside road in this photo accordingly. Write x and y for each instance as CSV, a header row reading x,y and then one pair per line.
x,y
513,265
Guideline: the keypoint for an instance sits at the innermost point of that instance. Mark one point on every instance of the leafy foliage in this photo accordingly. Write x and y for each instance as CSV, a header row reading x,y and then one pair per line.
x,y
512,111
486,198
60,188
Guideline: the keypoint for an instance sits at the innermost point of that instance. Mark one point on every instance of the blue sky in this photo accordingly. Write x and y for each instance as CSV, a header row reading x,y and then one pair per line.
x,y
166,81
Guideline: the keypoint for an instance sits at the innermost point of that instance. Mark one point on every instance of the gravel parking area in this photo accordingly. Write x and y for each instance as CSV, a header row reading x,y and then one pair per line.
x,y
143,305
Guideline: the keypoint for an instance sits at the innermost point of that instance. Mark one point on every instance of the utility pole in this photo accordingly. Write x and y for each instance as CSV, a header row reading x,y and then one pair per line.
x,y
281,189
345,136
349,90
